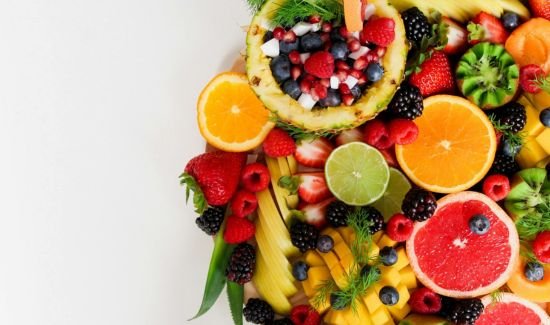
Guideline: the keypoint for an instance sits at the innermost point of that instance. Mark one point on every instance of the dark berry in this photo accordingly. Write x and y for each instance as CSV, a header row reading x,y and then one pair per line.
x,y
479,224
545,117
419,204
336,302
282,321
258,311
374,71
304,236
210,220
365,271
466,311
504,164
241,264
534,271
407,102
416,25
513,116
388,296
311,42
375,218
332,99
292,88
268,36
299,270
510,20
286,48
280,68
388,256
335,36
339,51
325,243
510,149
356,92
337,214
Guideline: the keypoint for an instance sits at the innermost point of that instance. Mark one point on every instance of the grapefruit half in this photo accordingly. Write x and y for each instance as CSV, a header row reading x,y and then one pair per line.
x,y
511,310
449,258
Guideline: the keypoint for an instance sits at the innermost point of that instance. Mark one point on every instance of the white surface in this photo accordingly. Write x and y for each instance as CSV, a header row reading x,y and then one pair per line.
x,y
97,119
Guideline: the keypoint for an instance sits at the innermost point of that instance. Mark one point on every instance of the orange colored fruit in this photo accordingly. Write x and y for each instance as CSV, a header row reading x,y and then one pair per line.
x,y
229,114
455,147
538,291
530,43
352,15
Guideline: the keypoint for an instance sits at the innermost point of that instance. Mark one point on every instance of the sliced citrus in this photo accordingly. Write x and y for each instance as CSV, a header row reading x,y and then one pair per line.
x,y
230,116
357,173
455,147
390,203
511,309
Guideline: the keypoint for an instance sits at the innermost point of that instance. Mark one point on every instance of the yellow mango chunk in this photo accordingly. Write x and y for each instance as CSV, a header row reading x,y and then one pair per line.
x,y
533,126
385,240
402,259
376,237
317,275
339,276
330,259
530,154
313,259
321,308
360,317
390,276
347,263
371,300
408,278
308,288
382,316
403,296
335,235
342,249
347,233
544,140
335,317
399,313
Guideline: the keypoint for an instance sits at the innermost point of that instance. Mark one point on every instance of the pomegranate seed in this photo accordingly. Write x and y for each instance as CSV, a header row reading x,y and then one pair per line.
x,y
347,99
363,80
371,56
361,63
353,45
294,57
309,77
344,89
344,32
342,75
305,86
295,72
327,45
325,82
380,51
319,91
326,27
356,74
342,65
279,33
325,37
289,37
315,19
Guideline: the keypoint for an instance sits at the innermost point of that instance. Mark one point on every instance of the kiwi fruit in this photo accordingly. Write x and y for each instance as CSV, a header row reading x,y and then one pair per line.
x,y
488,75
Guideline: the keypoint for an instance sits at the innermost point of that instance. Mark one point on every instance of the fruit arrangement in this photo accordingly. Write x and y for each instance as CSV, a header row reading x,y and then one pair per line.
x,y
374,162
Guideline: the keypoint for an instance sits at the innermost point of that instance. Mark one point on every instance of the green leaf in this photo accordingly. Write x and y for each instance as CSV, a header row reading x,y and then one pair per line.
x,y
199,200
291,183
215,281
235,294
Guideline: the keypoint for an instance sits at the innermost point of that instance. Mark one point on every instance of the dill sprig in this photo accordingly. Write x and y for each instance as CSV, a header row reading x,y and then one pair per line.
x,y
534,222
516,140
359,222
496,296
255,5
358,284
292,11
324,290
526,252
299,133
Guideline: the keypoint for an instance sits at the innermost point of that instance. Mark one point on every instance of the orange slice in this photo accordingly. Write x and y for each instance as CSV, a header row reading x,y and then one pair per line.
x,y
455,147
230,116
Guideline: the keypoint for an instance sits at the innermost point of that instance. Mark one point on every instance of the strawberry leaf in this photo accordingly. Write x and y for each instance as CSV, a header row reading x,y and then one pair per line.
x,y
543,83
475,32
199,201
290,183
235,294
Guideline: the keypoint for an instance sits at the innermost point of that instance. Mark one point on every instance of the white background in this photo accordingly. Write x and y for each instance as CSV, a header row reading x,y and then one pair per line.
x,y
97,119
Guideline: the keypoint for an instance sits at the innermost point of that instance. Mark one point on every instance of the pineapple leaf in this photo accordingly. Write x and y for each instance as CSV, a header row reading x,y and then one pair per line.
x,y
235,294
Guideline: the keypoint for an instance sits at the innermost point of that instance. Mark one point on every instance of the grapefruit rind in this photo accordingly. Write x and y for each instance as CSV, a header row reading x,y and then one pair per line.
x,y
512,298
513,241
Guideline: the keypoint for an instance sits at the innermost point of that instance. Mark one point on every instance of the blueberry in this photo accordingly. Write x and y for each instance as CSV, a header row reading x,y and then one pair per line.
x,y
286,48
366,270
356,92
509,149
545,117
339,51
325,243
280,67
388,256
292,88
388,295
510,20
299,270
311,42
335,35
374,71
479,224
333,99
335,302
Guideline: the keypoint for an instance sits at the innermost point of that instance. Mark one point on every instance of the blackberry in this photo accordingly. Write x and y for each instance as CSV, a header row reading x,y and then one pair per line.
x,y
416,25
241,264
211,220
375,217
466,312
282,321
407,102
258,311
504,164
447,305
337,214
304,236
512,116
419,204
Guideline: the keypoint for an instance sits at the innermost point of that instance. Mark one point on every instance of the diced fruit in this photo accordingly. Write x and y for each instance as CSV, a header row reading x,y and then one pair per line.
x,y
313,153
399,313
486,27
311,187
317,275
386,241
339,275
331,260
342,250
313,259
408,278
415,319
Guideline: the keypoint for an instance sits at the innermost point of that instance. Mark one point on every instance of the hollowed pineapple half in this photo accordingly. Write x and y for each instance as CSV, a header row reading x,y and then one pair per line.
x,y
374,100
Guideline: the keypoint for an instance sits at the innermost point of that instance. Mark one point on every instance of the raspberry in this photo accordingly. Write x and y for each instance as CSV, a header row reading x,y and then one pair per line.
x,y
376,134
403,131
528,75
541,247
244,203
255,177
279,144
320,64
399,227
496,187
304,315
238,230
425,301
379,31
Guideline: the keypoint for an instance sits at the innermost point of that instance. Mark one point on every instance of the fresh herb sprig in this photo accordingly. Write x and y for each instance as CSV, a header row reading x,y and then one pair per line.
x,y
324,290
292,11
358,284
516,140
534,222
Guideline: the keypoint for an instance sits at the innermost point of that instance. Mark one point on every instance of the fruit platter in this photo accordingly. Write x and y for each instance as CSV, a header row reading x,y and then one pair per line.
x,y
379,162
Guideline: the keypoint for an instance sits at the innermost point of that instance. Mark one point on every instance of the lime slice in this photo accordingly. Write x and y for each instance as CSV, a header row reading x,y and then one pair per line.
x,y
357,173
390,203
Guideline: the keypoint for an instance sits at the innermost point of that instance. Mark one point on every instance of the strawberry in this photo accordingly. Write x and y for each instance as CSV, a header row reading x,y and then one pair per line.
x,y
311,187
457,37
540,8
435,75
213,177
486,27
314,213
532,79
541,246
347,136
380,31
320,64
278,144
238,230
313,153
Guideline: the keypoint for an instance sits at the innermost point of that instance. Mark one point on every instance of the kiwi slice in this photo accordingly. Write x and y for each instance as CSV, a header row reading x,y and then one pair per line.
x,y
488,75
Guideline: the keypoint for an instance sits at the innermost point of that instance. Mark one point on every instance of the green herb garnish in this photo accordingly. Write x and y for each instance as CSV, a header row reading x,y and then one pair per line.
x,y
516,140
199,200
535,222
292,11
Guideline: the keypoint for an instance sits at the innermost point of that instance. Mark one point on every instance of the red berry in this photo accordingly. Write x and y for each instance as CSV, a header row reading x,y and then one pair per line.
x,y
342,65
347,99
541,247
294,57
319,91
290,37
255,177
356,73
325,82
376,134
344,89
305,86
314,19
380,51
496,187
353,45
279,33
527,78
309,77
362,80
279,144
295,72
371,56
540,8
380,31
399,227
325,37
344,32
389,155
244,203
425,301
361,63
327,46
238,230
342,75
403,131
304,315
326,27
320,65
